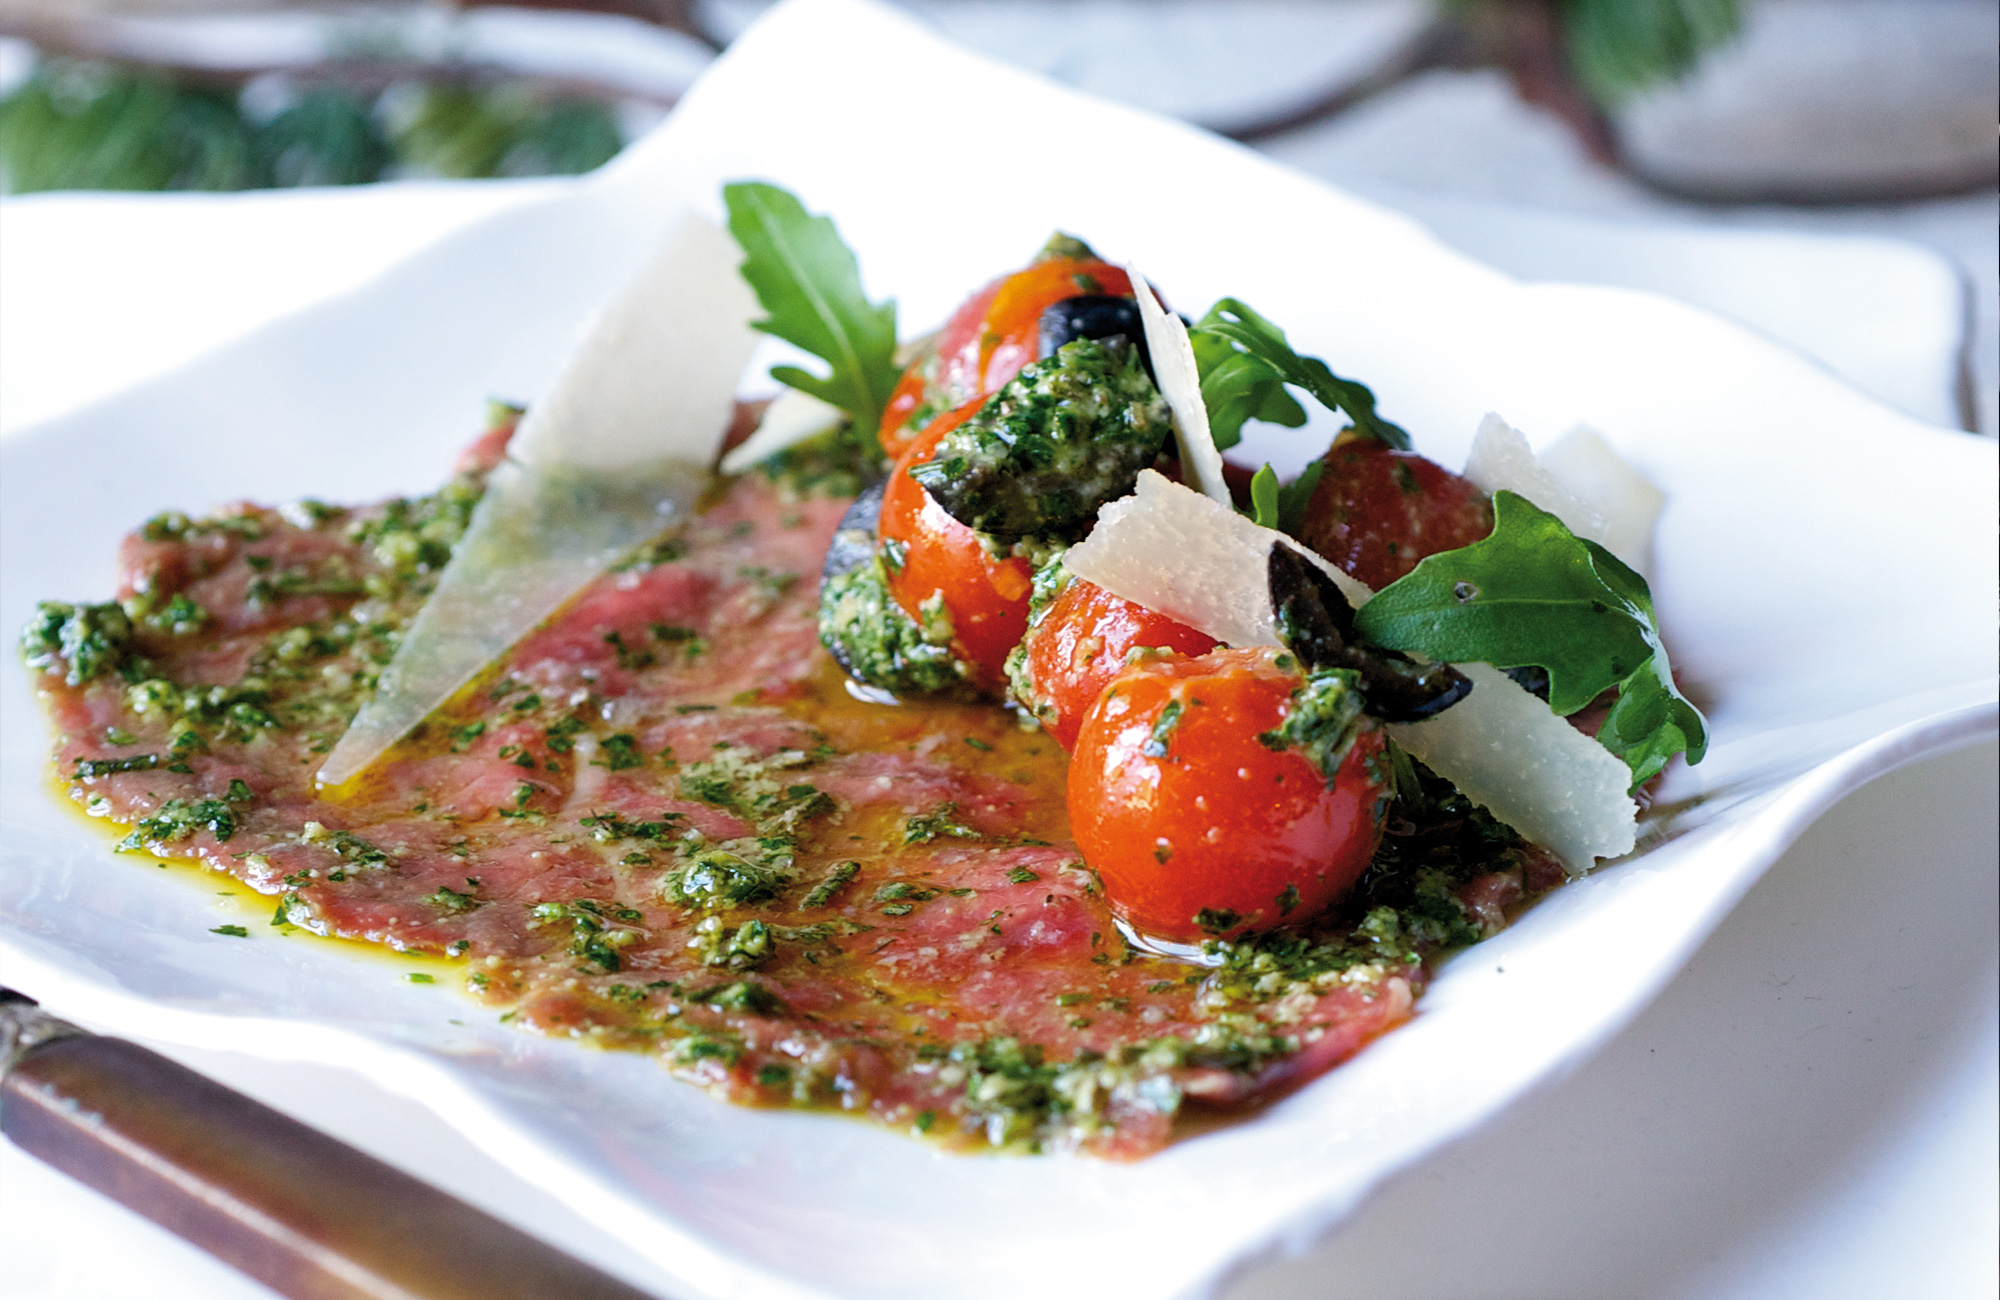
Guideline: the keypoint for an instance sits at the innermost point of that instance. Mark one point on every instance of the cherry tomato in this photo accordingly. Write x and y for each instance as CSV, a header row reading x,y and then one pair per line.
x,y
1377,511
1080,644
1196,827
938,558
990,337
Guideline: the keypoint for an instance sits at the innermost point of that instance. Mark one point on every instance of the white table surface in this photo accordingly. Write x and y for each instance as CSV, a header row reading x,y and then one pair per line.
x,y
1836,1039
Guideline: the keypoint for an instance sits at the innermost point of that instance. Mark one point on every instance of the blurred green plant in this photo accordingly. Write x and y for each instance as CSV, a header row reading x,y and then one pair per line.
x,y
1617,48
100,126
503,131
1577,59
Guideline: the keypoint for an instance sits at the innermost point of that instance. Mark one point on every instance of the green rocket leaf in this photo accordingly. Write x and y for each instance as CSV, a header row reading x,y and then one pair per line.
x,y
1535,594
810,284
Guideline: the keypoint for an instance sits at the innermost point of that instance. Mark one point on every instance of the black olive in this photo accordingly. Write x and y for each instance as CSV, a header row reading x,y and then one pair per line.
x,y
853,545
1092,316
854,541
1317,624
1533,680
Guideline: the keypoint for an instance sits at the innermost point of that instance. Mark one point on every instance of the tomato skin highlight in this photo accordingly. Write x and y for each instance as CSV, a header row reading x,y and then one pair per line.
x,y
989,338
1186,814
987,598
1080,644
1377,511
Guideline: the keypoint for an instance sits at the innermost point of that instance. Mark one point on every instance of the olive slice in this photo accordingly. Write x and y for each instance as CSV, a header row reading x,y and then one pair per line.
x,y
1317,624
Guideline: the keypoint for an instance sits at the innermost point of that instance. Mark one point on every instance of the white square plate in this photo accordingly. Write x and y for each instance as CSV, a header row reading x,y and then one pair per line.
x,y
1825,573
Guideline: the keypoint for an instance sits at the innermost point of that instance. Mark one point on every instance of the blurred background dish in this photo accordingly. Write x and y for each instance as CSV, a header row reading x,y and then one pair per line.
x,y
1839,118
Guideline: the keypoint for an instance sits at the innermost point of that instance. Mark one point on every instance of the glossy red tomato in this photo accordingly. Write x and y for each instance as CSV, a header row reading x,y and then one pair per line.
x,y
1196,827
1377,511
935,557
1081,644
990,337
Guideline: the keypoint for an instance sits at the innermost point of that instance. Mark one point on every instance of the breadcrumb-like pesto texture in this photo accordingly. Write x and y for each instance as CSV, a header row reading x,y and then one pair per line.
x,y
663,825
1065,435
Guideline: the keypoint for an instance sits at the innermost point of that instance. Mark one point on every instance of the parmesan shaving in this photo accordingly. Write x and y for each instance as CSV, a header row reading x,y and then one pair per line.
x,y
1502,747
618,449
792,417
1179,554
1180,383
1580,481
1582,461
655,374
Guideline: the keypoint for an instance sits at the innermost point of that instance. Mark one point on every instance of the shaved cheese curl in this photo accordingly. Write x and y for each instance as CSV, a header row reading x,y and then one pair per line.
x,y
1180,383
1580,481
1181,554
654,376
792,417
1582,461
1502,747
617,449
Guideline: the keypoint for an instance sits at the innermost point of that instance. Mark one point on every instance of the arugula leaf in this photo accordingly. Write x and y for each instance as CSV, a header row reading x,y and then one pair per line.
x,y
1264,497
1295,496
1236,387
1246,362
1283,507
810,283
1533,593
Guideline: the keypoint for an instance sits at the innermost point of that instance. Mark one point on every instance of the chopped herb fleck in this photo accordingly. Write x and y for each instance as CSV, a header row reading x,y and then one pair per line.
x,y
836,879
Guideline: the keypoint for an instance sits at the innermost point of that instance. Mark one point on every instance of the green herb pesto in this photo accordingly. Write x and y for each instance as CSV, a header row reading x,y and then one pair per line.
x,y
668,548
333,580
1163,730
179,616
77,642
736,948
345,845
754,789
90,769
452,903
836,880
179,819
610,828
940,821
414,537
734,873
1322,721
741,996
1024,1102
1064,436
630,658
1065,247
619,753
232,713
173,526
595,935
1049,581
864,627
836,463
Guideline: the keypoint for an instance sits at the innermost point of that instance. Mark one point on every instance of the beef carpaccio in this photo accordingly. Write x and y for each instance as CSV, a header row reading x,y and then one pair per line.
x,y
662,824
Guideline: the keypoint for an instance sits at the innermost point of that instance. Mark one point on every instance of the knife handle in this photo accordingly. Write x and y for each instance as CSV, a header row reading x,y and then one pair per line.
x,y
306,1215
